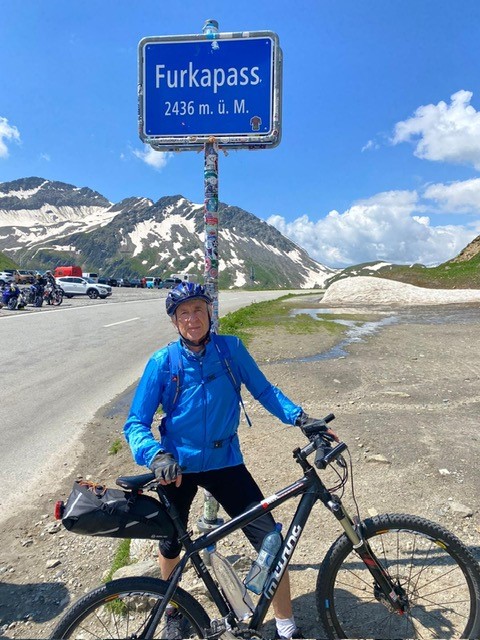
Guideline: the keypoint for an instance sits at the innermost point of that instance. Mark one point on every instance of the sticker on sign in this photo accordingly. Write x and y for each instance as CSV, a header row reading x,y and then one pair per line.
x,y
191,90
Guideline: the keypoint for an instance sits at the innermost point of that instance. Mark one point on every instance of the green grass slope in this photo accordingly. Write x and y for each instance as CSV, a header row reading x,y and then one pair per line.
x,y
6,263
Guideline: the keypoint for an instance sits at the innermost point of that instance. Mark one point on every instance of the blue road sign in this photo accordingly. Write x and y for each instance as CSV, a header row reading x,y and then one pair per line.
x,y
193,89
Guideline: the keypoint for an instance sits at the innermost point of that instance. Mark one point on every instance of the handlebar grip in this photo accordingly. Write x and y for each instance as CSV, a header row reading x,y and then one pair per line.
x,y
325,455
329,418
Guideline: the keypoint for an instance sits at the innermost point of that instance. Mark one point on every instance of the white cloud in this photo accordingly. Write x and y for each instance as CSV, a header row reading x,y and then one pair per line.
x,y
7,132
155,159
386,227
45,156
456,197
371,144
444,132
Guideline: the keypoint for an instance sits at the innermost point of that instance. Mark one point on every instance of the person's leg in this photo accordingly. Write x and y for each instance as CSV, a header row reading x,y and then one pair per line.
x,y
181,497
236,490
167,565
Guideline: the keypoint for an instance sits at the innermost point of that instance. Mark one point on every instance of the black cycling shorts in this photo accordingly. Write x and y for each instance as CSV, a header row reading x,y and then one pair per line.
x,y
233,488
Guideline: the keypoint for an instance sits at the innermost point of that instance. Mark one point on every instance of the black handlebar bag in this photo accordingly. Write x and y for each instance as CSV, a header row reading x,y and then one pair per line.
x,y
93,510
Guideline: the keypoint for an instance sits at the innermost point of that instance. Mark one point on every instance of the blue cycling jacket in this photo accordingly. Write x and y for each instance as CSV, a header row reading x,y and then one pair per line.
x,y
201,431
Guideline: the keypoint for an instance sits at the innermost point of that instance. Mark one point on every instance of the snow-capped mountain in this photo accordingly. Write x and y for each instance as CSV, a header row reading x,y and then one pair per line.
x,y
45,223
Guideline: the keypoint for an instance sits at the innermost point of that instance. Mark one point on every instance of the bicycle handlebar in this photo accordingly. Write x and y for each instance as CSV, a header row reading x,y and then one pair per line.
x,y
321,439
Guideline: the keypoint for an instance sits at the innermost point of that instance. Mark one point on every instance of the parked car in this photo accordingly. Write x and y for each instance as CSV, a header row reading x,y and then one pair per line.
x,y
152,281
6,276
112,282
136,282
24,276
73,286
169,283
123,282
93,276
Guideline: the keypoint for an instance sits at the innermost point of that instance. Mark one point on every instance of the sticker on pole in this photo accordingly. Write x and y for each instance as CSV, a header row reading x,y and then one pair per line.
x,y
193,88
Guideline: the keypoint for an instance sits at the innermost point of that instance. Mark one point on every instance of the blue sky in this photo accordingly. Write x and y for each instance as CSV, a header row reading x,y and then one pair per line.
x,y
380,150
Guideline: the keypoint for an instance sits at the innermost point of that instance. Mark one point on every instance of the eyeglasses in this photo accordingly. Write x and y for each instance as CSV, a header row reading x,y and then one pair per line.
x,y
185,316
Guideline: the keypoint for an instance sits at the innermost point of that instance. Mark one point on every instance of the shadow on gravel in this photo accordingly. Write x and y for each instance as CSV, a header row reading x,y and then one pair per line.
x,y
37,602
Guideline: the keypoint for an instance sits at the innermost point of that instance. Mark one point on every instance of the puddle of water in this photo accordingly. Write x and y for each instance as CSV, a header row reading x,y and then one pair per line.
x,y
360,330
357,332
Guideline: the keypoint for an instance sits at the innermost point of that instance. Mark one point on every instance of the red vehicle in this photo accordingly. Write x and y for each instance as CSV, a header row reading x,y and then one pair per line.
x,y
68,271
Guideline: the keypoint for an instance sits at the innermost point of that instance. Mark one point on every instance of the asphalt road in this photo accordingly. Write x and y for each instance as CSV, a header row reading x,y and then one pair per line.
x,y
61,365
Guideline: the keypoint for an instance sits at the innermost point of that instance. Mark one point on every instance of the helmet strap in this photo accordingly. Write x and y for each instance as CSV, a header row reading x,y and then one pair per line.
x,y
196,343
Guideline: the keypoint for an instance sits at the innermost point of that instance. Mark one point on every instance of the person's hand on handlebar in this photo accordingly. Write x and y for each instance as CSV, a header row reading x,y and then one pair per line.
x,y
166,469
309,426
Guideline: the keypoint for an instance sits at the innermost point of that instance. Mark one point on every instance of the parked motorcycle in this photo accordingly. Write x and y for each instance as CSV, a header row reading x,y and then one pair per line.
x,y
53,295
34,294
11,297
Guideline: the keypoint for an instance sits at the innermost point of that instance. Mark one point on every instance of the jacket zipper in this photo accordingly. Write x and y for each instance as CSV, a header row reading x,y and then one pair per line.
x,y
204,411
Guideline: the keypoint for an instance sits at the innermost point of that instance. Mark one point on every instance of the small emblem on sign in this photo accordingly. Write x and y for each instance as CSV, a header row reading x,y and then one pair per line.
x,y
255,122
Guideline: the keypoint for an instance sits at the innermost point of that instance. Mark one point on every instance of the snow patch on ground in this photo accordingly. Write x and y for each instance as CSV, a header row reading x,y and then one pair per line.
x,y
376,267
371,290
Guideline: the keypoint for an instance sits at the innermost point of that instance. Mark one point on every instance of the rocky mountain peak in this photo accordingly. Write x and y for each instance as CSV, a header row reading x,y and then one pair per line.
x,y
471,250
46,224
32,193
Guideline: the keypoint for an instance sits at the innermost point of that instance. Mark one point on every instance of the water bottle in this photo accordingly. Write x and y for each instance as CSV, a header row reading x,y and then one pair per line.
x,y
258,573
231,585
210,508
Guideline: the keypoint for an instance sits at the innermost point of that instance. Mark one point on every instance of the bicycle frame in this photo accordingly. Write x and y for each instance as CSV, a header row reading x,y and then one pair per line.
x,y
311,489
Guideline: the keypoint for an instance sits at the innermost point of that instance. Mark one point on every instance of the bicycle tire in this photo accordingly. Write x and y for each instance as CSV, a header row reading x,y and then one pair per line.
x,y
439,575
119,609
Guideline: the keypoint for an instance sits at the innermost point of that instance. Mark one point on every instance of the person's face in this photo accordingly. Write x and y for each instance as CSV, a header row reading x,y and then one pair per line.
x,y
192,319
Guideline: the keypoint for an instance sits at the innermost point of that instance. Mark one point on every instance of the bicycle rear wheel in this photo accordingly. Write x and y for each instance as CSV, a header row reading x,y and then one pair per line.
x,y
437,573
122,609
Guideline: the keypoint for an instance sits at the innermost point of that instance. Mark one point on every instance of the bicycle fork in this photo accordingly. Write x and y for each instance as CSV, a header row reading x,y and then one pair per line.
x,y
385,590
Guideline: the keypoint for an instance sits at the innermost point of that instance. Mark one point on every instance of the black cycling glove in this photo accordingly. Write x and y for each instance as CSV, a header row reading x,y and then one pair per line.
x,y
165,467
311,425
303,420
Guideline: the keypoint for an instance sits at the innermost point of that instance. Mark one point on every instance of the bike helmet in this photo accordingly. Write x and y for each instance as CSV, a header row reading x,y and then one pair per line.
x,y
183,292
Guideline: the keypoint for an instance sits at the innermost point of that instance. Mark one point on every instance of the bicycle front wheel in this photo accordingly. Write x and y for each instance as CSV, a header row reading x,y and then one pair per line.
x,y
123,609
432,569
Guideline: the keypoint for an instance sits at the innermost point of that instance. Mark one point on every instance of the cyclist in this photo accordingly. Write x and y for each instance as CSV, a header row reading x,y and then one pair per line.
x,y
199,443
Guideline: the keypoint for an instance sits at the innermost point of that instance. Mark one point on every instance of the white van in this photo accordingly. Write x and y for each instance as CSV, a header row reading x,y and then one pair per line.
x,y
184,277
92,276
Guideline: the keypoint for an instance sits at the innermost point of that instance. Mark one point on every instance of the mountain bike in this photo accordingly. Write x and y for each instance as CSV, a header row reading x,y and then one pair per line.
x,y
390,576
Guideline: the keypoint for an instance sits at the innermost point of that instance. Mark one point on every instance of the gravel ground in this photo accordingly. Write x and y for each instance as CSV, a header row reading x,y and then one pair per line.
x,y
408,392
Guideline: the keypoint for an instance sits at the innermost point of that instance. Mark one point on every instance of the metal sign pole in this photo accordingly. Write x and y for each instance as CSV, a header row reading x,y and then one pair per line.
x,y
210,518
210,173
211,226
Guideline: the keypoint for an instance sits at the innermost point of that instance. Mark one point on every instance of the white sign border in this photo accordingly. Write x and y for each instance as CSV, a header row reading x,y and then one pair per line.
x,y
242,141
